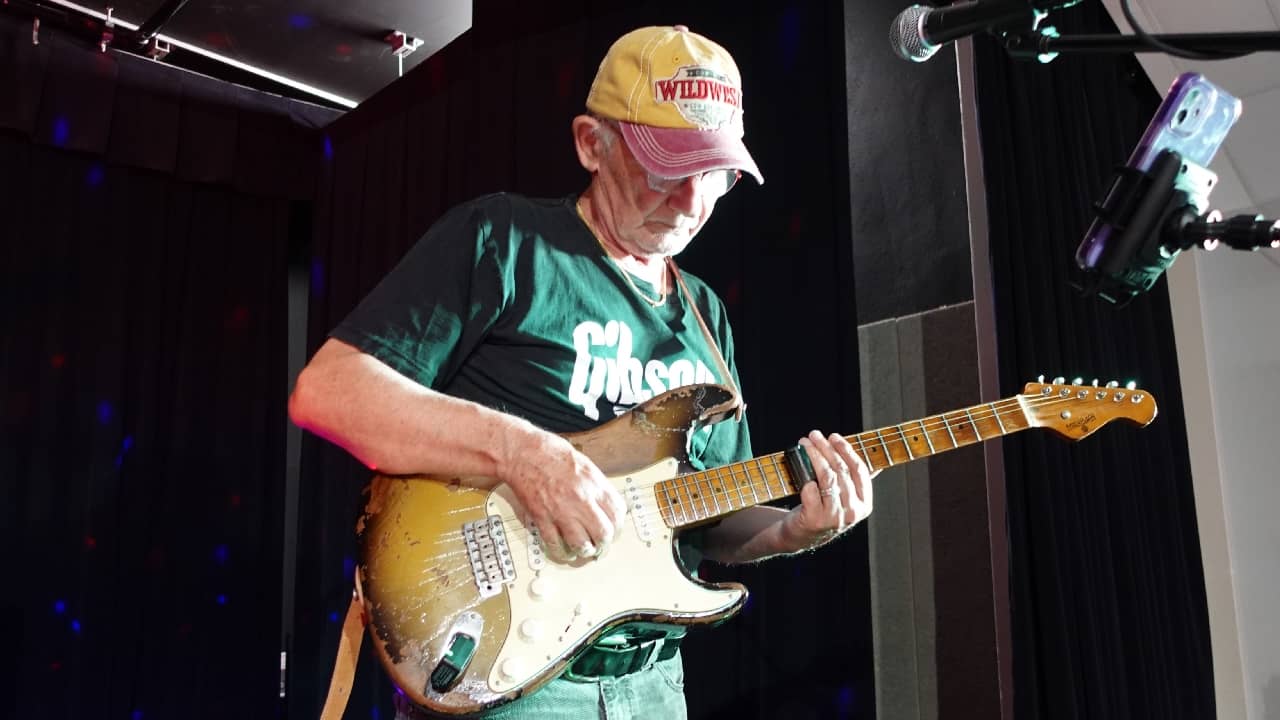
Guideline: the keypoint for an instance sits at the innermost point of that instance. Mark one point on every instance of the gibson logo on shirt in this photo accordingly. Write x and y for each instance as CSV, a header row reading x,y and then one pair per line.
x,y
605,368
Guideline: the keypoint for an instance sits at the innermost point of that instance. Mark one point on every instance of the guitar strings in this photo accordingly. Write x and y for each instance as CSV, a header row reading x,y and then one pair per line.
x,y
926,425
868,442
761,486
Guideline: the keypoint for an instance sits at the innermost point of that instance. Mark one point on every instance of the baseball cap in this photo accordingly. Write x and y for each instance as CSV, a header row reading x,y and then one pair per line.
x,y
677,98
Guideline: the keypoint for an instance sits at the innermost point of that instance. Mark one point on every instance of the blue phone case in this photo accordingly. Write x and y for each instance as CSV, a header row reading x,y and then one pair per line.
x,y
1193,121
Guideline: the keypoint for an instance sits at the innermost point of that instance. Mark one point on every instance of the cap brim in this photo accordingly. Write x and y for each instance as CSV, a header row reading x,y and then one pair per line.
x,y
673,152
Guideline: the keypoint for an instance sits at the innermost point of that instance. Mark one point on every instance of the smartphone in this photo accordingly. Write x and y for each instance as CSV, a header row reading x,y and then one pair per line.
x,y
1193,120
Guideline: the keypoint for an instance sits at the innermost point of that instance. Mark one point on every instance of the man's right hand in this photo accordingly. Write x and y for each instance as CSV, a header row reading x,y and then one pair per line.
x,y
573,505
398,427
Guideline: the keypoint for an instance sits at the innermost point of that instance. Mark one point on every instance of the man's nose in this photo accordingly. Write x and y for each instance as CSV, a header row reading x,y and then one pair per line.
x,y
687,196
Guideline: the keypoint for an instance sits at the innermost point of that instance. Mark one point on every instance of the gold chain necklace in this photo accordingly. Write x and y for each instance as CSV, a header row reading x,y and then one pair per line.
x,y
662,295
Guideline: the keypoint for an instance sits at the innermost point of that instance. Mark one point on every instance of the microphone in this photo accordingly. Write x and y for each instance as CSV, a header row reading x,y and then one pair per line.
x,y
918,32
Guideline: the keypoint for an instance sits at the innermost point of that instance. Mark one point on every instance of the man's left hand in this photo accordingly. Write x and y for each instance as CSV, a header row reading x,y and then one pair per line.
x,y
840,499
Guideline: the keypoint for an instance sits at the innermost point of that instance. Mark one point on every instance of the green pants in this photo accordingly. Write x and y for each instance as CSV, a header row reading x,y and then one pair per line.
x,y
653,694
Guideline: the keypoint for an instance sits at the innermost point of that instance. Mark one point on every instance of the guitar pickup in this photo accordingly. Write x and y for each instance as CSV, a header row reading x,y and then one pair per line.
x,y
641,515
537,558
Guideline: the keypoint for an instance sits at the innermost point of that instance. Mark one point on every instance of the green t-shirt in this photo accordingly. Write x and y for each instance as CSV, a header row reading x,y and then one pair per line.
x,y
512,303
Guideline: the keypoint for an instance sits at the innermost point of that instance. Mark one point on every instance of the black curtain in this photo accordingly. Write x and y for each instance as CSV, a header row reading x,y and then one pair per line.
x,y
1108,602
145,220
492,112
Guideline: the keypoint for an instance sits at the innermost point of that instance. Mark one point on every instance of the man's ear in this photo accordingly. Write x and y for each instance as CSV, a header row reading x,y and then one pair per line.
x,y
587,142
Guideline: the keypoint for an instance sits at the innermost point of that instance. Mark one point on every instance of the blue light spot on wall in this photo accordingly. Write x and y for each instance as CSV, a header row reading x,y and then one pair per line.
x,y
328,148
375,714
125,446
61,131
348,566
844,701
60,607
220,554
333,616
317,277
95,175
791,36
104,412
300,21
137,715
222,599
75,626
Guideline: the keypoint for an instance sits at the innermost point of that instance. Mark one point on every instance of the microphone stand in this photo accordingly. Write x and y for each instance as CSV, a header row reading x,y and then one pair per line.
x,y
1241,232
1044,44
1156,215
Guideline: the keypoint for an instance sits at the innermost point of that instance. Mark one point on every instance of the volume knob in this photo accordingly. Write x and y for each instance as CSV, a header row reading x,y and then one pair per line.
x,y
530,629
541,588
512,669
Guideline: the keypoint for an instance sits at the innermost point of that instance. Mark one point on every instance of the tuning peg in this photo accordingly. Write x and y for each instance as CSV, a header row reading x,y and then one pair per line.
x,y
1040,379
1131,385
1059,380
1095,382
1113,384
1078,381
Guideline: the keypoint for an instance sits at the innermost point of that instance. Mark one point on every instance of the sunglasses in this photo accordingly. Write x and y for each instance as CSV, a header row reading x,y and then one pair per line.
x,y
712,183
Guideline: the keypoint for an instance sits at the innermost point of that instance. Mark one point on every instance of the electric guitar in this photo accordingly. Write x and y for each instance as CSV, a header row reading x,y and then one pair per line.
x,y
467,611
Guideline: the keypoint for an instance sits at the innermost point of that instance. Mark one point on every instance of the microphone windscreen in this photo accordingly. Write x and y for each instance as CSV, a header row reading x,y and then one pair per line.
x,y
906,34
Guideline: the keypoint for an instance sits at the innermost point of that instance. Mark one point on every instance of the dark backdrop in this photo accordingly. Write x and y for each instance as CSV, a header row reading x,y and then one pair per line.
x,y
1108,602
145,216
905,161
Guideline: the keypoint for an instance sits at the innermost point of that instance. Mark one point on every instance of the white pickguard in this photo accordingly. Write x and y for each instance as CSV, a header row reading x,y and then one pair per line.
x,y
554,609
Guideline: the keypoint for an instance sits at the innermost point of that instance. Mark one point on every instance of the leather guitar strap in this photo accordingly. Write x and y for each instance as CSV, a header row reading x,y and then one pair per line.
x,y
721,366
344,666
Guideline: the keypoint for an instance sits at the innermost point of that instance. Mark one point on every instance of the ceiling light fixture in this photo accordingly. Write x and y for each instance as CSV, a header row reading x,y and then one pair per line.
x,y
174,42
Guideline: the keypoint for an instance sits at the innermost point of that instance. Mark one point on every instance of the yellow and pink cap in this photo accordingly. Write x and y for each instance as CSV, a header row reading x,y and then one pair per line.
x,y
677,98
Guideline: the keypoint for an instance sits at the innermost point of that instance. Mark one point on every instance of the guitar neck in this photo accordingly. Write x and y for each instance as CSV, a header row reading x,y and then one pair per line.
x,y
708,494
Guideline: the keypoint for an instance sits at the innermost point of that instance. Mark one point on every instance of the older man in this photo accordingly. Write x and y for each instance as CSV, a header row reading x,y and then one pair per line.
x,y
514,319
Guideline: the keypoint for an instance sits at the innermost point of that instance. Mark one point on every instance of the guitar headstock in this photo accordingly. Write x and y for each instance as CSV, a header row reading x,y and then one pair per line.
x,y
1075,410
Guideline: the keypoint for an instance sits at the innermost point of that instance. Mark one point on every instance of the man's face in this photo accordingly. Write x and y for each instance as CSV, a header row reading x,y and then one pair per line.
x,y
647,222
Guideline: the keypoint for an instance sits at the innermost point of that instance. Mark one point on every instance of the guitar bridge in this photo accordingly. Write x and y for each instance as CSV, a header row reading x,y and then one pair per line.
x,y
490,555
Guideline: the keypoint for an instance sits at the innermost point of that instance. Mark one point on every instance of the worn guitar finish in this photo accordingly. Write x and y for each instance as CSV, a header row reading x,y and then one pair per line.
x,y
467,612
